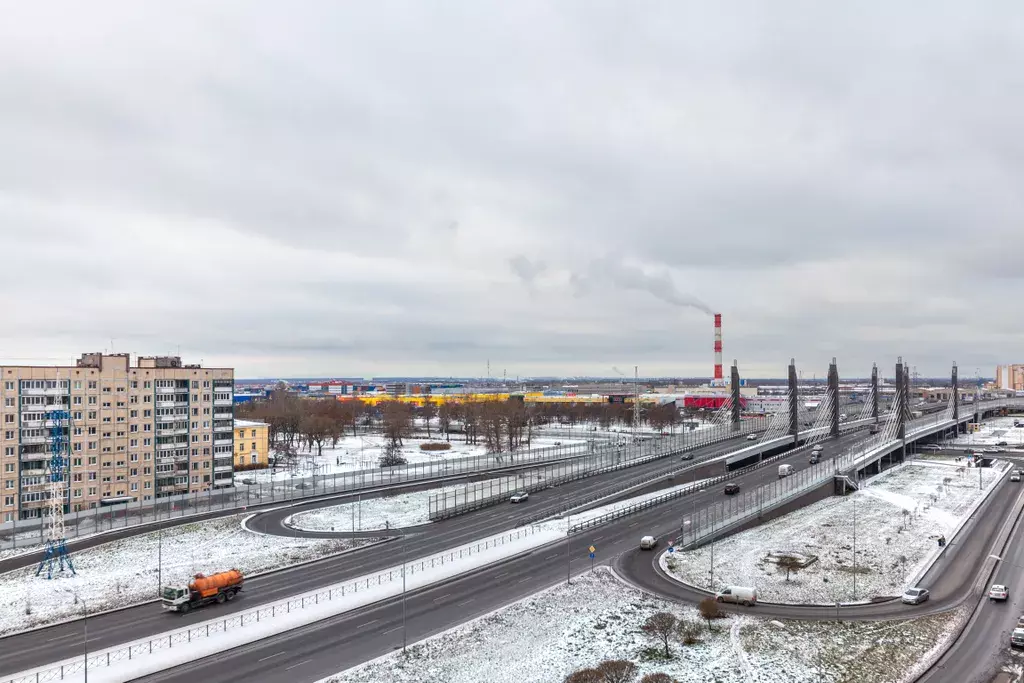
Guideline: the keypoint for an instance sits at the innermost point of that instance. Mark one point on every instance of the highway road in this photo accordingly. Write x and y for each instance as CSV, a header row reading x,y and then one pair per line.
x,y
320,649
40,647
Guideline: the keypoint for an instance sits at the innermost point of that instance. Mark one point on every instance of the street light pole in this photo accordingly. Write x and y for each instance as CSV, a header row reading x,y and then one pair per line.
x,y
159,560
855,546
404,632
568,557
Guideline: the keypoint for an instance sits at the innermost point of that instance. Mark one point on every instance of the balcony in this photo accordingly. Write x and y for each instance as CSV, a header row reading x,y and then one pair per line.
x,y
46,392
172,404
223,442
38,424
29,440
174,431
222,468
223,402
224,416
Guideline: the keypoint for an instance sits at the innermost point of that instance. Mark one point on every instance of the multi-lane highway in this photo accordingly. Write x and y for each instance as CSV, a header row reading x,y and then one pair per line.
x,y
62,641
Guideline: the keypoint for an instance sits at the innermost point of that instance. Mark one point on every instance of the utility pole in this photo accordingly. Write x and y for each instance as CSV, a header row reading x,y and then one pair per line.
x,y
404,632
568,556
159,560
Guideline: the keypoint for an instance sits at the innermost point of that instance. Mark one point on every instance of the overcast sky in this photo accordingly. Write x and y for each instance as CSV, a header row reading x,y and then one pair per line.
x,y
559,187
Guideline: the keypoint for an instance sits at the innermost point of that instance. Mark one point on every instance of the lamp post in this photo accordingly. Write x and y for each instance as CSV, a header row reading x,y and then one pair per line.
x,y
85,634
404,633
159,560
568,557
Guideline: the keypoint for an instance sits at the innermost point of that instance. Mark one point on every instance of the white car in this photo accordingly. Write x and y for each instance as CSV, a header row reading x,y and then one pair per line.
x,y
519,497
648,543
1015,477
751,437
914,596
931,447
998,592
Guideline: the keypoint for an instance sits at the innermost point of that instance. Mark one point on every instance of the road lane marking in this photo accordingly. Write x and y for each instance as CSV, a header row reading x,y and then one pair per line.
x,y
276,654
598,538
442,597
466,602
501,575
391,630
368,623
522,580
546,558
306,661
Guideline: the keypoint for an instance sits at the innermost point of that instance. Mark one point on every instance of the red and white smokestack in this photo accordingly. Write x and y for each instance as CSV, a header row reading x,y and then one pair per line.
x,y
718,346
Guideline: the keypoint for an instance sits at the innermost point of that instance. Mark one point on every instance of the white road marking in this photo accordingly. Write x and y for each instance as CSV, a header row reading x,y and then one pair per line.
x,y
392,630
368,623
276,654
466,602
306,661
442,597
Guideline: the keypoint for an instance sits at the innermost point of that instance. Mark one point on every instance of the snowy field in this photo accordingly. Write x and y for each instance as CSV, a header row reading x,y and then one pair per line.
x,y
124,572
899,517
992,431
549,635
354,453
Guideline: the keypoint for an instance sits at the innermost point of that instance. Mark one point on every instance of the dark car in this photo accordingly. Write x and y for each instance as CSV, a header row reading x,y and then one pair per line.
x,y
732,489
687,456
1002,443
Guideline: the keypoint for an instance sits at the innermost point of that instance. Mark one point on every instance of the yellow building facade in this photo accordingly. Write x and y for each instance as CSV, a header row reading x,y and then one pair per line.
x,y
252,444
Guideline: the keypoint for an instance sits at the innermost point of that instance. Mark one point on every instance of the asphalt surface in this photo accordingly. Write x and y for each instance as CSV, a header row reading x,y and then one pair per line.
x,y
320,649
36,648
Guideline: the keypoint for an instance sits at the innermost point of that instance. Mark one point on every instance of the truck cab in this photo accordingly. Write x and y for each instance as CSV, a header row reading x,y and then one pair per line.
x,y
174,597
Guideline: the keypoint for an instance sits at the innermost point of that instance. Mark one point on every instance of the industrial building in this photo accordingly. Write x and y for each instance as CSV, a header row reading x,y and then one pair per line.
x,y
143,431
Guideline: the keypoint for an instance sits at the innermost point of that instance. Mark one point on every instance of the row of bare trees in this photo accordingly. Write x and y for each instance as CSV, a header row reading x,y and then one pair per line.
x,y
501,426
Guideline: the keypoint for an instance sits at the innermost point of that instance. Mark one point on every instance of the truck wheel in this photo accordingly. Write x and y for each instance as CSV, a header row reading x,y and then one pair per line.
x,y
746,603
220,598
230,595
719,599
183,608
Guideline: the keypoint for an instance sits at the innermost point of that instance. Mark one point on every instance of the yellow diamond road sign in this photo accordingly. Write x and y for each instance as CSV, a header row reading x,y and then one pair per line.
x,y
593,549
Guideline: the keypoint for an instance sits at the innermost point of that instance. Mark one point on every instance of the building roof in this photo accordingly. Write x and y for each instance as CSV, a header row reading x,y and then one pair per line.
x,y
249,423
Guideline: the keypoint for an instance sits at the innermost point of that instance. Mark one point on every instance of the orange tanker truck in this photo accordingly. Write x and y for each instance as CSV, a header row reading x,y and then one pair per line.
x,y
202,591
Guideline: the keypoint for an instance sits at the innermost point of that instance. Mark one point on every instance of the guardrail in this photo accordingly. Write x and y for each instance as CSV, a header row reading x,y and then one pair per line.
x,y
446,504
165,641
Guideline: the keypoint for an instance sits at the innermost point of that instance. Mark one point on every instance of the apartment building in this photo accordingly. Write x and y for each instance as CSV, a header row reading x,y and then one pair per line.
x,y
252,441
136,432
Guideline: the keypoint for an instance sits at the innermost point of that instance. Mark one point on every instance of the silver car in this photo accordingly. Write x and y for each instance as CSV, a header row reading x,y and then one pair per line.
x,y
914,596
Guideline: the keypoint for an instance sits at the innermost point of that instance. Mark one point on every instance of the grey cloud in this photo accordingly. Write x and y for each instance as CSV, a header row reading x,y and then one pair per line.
x,y
837,181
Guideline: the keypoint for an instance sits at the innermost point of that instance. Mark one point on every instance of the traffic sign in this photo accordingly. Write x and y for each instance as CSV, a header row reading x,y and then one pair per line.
x,y
591,555
593,549
671,549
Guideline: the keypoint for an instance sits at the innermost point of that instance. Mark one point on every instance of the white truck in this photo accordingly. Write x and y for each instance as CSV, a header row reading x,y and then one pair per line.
x,y
785,470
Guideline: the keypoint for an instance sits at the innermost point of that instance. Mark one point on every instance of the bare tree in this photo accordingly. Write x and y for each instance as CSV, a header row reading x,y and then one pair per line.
x,y
585,676
446,412
396,421
709,610
315,430
661,627
789,564
617,671
428,412
657,678
689,631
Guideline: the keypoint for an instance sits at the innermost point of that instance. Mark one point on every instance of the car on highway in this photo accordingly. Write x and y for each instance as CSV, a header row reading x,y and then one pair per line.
x,y
519,497
914,596
687,456
1017,637
732,489
1002,443
751,437
991,450
648,542
998,592
1015,476
931,447
815,458
818,449
1020,622
874,429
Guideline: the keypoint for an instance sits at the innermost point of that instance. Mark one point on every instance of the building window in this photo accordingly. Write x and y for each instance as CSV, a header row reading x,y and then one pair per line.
x,y
254,458
254,445
9,402
9,386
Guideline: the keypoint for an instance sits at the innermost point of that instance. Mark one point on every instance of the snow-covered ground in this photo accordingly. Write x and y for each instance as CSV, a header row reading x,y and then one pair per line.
x,y
355,453
992,431
124,572
547,636
899,517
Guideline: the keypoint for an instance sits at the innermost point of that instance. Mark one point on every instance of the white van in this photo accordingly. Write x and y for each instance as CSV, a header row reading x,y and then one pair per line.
x,y
648,543
739,594
785,471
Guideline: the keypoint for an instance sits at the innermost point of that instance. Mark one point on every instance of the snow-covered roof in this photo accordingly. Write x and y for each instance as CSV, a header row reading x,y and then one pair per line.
x,y
249,423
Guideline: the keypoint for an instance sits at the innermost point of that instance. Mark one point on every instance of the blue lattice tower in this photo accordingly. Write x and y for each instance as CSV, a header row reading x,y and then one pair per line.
x,y
56,546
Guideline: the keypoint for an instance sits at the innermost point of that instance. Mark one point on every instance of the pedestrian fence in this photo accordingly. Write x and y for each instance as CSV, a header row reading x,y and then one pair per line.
x,y
183,636
469,497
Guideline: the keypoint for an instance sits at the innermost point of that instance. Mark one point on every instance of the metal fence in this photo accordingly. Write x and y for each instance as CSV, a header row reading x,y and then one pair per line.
x,y
31,532
165,641
483,494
